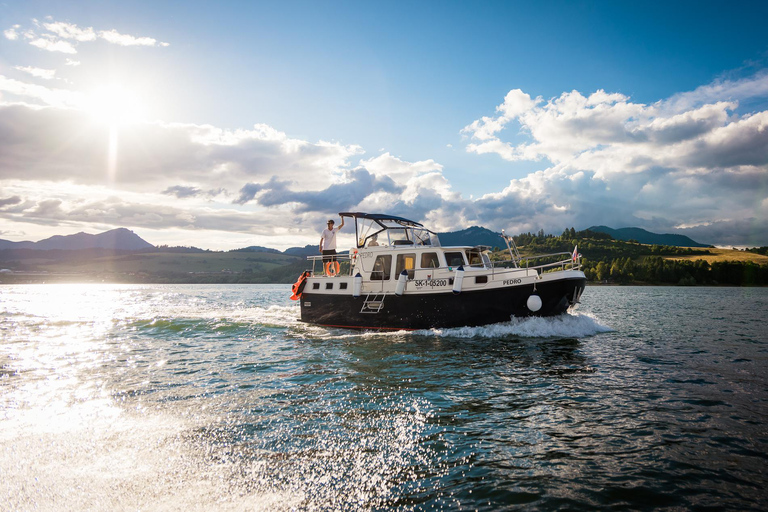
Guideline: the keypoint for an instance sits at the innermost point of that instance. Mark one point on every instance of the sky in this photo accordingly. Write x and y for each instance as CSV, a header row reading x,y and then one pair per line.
x,y
252,123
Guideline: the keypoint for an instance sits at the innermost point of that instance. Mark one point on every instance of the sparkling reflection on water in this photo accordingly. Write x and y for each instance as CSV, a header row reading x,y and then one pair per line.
x,y
216,397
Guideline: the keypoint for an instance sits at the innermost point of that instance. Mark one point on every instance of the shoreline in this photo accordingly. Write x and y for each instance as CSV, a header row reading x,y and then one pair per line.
x,y
27,278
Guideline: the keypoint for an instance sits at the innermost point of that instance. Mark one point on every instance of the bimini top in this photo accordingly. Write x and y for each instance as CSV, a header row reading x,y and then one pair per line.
x,y
380,217
378,229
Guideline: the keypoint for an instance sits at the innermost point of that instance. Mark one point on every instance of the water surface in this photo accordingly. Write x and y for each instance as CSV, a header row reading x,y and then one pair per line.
x,y
118,397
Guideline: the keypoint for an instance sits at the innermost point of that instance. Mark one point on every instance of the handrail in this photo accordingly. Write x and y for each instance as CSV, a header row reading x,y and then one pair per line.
x,y
570,262
341,258
524,263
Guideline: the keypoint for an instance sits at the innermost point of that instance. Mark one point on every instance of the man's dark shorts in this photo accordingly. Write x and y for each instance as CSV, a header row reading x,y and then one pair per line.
x,y
329,255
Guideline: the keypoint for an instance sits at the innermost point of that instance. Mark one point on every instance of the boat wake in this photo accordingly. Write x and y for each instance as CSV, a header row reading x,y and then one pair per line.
x,y
570,325
576,325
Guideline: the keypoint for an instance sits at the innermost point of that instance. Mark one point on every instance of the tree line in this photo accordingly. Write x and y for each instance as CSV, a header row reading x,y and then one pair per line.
x,y
607,260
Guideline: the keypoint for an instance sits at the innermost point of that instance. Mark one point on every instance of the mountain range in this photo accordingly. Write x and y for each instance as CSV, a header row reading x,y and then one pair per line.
x,y
117,239
122,239
646,237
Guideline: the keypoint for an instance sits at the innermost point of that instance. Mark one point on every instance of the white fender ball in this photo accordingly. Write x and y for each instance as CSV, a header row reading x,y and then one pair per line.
x,y
534,303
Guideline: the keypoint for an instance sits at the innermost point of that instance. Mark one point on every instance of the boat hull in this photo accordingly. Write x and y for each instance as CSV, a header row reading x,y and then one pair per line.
x,y
440,310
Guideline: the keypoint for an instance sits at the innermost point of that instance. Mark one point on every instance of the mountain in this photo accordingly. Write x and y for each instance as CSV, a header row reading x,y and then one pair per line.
x,y
307,250
255,248
117,239
472,236
646,237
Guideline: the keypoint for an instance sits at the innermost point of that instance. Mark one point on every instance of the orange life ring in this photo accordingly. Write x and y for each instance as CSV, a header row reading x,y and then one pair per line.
x,y
298,286
332,268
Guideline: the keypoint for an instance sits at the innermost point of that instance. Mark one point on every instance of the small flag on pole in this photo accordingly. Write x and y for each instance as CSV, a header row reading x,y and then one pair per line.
x,y
575,253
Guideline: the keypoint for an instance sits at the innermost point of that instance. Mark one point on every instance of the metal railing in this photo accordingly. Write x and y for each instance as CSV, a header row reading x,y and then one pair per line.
x,y
559,263
318,264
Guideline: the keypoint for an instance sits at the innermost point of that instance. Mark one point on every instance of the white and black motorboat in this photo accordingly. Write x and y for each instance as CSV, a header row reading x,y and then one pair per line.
x,y
399,277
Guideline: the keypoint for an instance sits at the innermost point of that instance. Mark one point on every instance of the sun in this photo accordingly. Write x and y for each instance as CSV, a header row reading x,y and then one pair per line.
x,y
115,105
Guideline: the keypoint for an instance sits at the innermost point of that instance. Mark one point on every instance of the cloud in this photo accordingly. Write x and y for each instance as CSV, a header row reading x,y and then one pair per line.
x,y
388,165
688,160
61,98
114,37
71,31
53,45
691,164
6,201
58,36
720,90
12,33
355,186
179,159
182,192
45,74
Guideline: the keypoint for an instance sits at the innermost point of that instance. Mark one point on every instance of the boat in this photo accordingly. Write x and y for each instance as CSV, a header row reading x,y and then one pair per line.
x,y
399,277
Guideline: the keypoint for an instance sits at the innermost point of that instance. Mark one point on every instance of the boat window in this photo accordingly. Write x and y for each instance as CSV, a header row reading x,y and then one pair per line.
x,y
475,259
481,279
397,236
421,237
373,240
429,260
382,268
329,286
454,259
342,286
405,262
315,286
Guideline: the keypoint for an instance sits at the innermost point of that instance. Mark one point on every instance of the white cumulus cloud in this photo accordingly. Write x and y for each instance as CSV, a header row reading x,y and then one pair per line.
x,y
690,160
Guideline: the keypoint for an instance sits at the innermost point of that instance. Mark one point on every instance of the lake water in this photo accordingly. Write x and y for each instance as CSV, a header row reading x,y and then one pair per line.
x,y
118,397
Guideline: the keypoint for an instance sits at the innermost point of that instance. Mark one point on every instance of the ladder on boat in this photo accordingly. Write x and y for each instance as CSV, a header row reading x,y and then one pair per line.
x,y
373,303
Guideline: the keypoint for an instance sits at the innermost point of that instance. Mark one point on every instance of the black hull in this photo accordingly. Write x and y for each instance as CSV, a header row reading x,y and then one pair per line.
x,y
440,310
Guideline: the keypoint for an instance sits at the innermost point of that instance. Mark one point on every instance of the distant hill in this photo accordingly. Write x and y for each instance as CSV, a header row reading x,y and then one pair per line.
x,y
646,237
255,248
472,236
116,239
307,250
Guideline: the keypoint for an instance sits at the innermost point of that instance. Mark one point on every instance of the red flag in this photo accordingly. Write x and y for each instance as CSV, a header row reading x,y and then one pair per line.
x,y
575,253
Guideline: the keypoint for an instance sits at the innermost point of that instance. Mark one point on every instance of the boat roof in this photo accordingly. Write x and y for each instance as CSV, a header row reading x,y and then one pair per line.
x,y
380,217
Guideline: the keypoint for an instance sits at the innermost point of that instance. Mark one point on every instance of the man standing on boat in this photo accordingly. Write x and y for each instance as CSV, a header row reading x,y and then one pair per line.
x,y
328,247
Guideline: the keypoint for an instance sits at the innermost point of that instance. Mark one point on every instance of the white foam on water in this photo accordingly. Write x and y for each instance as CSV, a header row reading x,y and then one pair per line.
x,y
577,325
277,315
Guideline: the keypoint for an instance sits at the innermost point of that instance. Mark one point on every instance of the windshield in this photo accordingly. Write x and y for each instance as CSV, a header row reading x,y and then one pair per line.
x,y
377,232
367,229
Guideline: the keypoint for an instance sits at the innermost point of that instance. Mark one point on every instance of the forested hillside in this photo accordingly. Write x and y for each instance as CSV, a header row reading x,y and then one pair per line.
x,y
606,260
